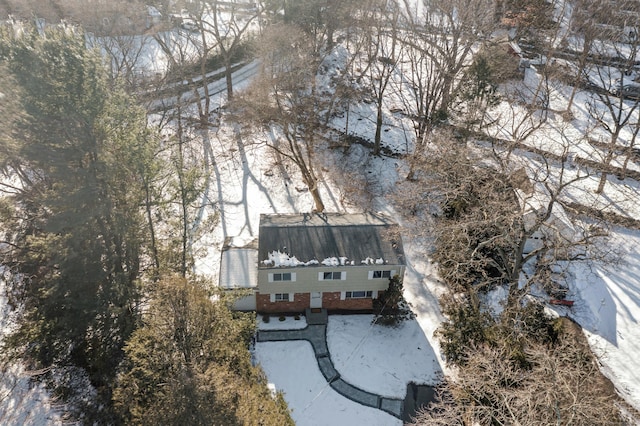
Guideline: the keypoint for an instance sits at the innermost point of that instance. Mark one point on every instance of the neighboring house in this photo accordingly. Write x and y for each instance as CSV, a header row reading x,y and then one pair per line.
x,y
334,261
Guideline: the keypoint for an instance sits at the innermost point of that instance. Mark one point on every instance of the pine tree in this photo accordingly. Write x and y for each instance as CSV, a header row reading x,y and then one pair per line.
x,y
390,306
75,227
189,364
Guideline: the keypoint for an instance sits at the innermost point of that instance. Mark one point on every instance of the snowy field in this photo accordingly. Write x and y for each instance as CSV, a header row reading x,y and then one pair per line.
x,y
608,308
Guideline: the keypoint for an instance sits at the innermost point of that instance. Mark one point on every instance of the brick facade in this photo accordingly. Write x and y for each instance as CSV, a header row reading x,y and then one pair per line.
x,y
330,301
264,304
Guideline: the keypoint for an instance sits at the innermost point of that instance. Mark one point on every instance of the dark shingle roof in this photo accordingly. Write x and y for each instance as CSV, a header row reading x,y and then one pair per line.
x,y
308,237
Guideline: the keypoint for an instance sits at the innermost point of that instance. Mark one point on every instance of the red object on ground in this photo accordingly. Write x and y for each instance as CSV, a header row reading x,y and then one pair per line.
x,y
561,302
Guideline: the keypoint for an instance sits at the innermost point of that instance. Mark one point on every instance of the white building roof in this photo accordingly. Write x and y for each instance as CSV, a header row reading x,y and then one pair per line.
x,y
239,268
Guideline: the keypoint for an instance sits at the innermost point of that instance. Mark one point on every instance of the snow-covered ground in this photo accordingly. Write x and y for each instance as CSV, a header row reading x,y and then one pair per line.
x,y
607,298
293,368
378,359
250,181
606,295
381,359
288,323
609,311
22,402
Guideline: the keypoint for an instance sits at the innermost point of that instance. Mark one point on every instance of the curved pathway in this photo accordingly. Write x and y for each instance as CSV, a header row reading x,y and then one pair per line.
x,y
316,334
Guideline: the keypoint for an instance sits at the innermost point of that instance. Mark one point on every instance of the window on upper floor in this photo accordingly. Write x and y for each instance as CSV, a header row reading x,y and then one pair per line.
x,y
284,276
381,274
333,275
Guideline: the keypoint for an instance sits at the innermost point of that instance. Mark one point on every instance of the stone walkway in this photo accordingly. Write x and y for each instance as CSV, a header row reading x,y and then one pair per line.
x,y
316,334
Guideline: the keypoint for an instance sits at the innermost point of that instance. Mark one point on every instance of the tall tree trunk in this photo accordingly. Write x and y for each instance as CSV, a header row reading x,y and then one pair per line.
x,y
183,199
152,232
629,151
603,181
609,157
228,76
312,182
604,174
315,193
204,111
378,137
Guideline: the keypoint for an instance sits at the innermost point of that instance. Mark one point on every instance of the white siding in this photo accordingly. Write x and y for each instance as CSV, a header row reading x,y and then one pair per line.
x,y
309,279
247,303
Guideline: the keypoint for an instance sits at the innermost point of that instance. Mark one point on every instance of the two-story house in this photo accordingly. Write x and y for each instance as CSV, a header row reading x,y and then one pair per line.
x,y
328,260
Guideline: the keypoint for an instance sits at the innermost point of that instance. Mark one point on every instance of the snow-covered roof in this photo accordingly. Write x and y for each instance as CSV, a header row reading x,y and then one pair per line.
x,y
328,239
238,268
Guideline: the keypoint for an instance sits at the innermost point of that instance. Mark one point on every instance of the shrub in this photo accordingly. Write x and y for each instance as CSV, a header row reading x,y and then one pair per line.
x,y
466,329
390,306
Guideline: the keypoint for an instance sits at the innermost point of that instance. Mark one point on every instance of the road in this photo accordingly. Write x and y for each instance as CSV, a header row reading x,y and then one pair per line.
x,y
217,88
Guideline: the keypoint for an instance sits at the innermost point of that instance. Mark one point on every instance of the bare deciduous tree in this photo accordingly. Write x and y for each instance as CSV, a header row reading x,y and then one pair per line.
x,y
610,112
382,52
558,384
223,28
284,98
499,217
438,43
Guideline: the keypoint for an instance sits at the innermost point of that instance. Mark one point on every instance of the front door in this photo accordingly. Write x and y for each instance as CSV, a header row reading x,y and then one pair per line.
x,y
316,299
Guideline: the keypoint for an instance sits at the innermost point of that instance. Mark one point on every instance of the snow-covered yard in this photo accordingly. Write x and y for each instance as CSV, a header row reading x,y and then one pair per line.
x,y
251,181
609,311
381,359
375,358
292,367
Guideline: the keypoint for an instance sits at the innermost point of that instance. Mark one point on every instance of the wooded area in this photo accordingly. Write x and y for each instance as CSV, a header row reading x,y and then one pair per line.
x,y
106,169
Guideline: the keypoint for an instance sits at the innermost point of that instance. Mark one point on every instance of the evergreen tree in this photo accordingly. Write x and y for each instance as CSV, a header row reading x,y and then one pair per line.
x,y
189,364
390,306
478,92
74,228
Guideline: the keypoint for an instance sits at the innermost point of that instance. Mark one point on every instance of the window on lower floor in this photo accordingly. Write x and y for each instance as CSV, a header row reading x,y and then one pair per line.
x,y
359,294
381,274
282,297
